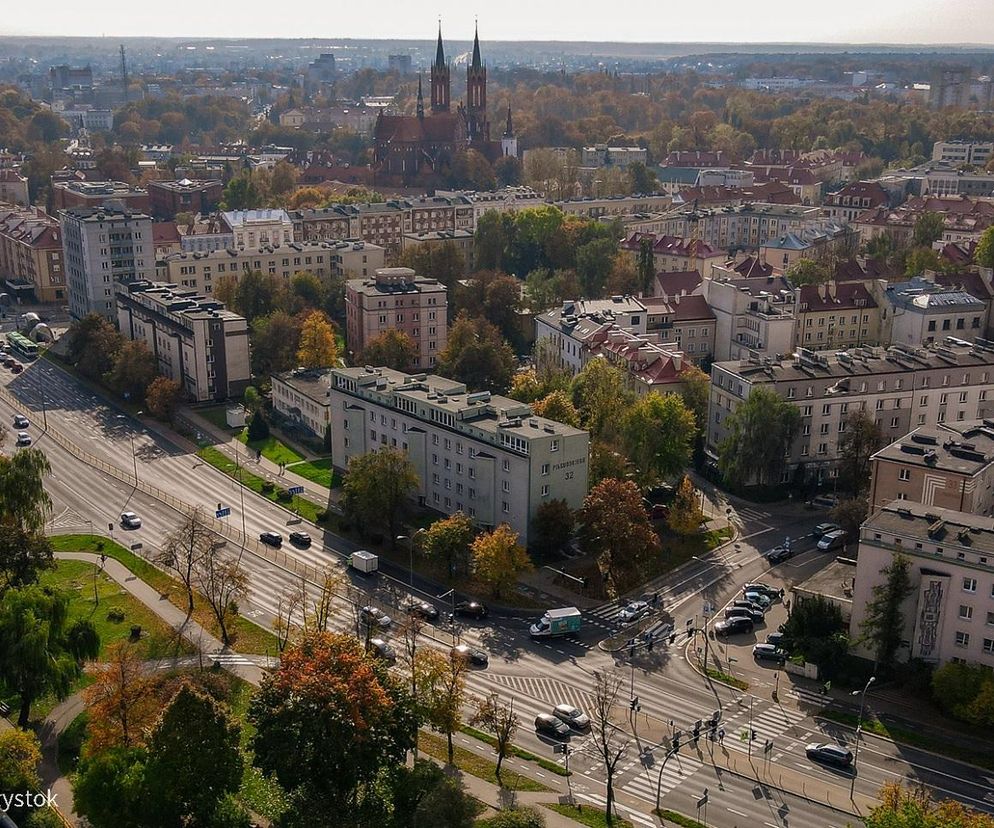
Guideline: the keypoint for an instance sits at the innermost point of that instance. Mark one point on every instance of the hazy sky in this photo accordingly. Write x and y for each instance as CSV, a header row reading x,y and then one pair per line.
x,y
856,21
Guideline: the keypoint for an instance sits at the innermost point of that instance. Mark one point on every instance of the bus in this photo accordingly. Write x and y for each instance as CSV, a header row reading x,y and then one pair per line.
x,y
22,346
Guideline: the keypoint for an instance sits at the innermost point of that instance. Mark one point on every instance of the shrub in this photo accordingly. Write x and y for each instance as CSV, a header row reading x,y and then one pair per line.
x,y
115,614
268,487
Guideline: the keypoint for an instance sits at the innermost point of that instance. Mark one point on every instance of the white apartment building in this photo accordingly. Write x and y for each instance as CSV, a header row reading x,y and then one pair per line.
x,y
302,396
104,246
921,312
754,315
950,613
572,324
258,228
195,340
977,153
484,455
746,225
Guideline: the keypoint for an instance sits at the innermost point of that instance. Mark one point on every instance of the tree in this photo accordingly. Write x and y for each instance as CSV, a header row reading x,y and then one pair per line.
x,y
623,279
121,701
223,583
133,371
883,625
251,399
915,809
501,720
498,559
760,431
850,514
109,789
552,526
24,503
600,395
815,630
275,339
317,348
377,487
559,407
616,528
255,294
501,304
93,345
283,179
609,742
685,514
956,685
525,386
442,692
658,433
593,264
645,266
861,437
426,795
928,228
517,817
920,259
258,428
182,551
477,355
306,290
391,349
193,758
508,171
492,240
449,540
808,272
984,253
242,193
20,756
643,180
24,556
37,646
162,397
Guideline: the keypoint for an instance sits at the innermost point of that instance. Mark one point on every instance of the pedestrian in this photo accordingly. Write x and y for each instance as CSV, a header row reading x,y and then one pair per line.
x,y
721,736
258,455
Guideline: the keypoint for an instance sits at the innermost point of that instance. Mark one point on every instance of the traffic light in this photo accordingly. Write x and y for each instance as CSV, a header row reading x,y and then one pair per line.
x,y
676,744
754,735
635,703
631,651
690,632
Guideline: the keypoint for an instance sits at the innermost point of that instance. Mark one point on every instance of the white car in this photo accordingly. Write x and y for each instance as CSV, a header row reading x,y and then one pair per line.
x,y
129,520
634,611
375,617
20,421
23,438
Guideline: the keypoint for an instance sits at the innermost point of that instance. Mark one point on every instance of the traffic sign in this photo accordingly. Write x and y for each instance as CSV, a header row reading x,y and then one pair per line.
x,y
295,490
222,513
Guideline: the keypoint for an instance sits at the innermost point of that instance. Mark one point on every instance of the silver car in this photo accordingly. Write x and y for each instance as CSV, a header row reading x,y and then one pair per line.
x,y
634,611
573,716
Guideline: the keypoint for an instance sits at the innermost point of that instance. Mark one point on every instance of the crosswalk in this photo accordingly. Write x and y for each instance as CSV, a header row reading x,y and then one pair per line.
x,y
752,514
545,693
772,723
624,810
676,771
232,659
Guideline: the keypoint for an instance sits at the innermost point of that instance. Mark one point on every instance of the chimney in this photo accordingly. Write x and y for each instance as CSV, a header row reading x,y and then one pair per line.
x,y
821,291
832,288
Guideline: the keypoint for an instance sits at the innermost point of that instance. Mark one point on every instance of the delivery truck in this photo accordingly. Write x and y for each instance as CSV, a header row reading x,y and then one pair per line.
x,y
365,562
563,621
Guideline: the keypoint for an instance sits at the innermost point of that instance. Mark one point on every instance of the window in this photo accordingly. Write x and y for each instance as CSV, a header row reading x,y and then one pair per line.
x,y
824,428
966,612
554,445
962,639
507,465
893,422
434,478
545,491
989,645
806,429
505,507
826,409
545,468
969,585
434,459
904,474
990,619
880,405
506,486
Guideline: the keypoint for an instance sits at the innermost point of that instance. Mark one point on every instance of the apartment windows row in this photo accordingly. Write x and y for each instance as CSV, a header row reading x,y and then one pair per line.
x,y
963,640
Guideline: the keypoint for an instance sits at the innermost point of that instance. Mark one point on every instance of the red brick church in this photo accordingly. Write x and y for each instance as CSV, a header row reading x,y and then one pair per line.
x,y
417,148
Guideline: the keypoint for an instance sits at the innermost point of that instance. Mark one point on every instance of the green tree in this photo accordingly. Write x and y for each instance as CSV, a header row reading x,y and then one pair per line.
x,y
850,514
559,407
162,397
808,272
38,646
685,514
477,355
93,345
552,526
242,193
20,756
448,540
645,266
495,232
317,347
508,171
600,395
920,259
255,294
984,253
861,437
816,630
593,264
110,790
883,625
499,719
760,431
258,428
928,229
134,369
377,487
623,280
391,349
426,795
956,684
24,556
24,503
307,290
658,435
498,559
642,179
275,339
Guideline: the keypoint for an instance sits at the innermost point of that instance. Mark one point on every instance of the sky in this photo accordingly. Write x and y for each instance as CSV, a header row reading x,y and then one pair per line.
x,y
926,22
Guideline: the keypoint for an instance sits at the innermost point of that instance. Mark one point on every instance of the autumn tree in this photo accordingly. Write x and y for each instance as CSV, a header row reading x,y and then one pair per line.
x,y
616,529
377,487
316,600
623,278
182,551
20,757
850,514
760,432
223,583
442,692
883,625
449,540
134,369
317,347
685,514
601,396
120,700
499,719
915,808
552,526
610,743
391,349
525,386
275,340
24,555
498,559
983,255
476,354
658,435
559,407
162,397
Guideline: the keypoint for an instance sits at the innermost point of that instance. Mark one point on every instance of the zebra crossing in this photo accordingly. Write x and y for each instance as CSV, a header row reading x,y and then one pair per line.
x,y
69,519
232,659
772,723
624,810
676,771
753,514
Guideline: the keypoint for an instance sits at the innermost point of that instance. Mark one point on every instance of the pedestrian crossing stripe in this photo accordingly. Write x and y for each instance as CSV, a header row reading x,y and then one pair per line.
x,y
674,773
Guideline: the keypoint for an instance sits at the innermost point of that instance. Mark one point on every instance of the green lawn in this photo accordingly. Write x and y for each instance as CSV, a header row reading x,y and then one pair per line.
x,y
476,765
514,750
272,448
318,471
718,675
586,815
678,818
216,415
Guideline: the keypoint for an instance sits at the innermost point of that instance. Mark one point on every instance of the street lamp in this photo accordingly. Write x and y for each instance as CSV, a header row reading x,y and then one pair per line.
x,y
410,548
131,435
859,731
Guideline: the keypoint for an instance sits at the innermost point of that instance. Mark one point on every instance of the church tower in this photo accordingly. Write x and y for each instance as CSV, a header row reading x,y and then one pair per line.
x,y
476,95
508,142
421,100
439,78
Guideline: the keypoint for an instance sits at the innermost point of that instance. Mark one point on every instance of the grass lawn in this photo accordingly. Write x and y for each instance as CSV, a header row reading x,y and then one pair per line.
x,y
514,750
718,675
587,815
249,637
679,819
216,415
318,471
476,765
272,448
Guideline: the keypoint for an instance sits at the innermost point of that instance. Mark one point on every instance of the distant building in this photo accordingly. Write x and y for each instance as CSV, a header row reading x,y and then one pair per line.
x,y
949,87
303,397
775,84
69,194
256,228
977,153
92,120
602,155
855,198
922,312
944,180
462,240
32,263
836,315
13,188
674,253
70,78
194,339
687,321
399,63
167,198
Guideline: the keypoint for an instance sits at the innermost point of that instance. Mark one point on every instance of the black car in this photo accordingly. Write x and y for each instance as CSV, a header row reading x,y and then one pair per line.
x,y
271,538
471,609
301,539
733,626
778,554
471,655
551,725
754,615
379,648
422,609
829,754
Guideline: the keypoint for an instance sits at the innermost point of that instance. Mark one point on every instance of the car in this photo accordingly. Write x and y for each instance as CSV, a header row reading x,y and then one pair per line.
x,y
734,626
470,655
129,520
23,438
301,539
775,638
829,754
833,540
745,612
381,649
779,554
422,609
823,529
766,589
573,716
375,617
20,421
632,612
768,652
471,609
271,538
659,511
751,605
16,367
551,725
760,598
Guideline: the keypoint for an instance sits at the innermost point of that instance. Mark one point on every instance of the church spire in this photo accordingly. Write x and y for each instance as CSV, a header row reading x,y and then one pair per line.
x,y
509,128
421,100
477,63
439,51
440,90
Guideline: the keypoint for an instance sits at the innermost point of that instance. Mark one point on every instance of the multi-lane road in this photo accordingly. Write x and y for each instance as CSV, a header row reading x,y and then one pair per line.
x,y
537,675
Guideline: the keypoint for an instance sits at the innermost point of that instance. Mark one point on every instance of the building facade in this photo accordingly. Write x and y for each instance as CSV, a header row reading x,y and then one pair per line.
x,y
32,262
68,194
13,188
752,315
303,397
462,240
167,198
977,153
838,315
569,326
257,228
484,455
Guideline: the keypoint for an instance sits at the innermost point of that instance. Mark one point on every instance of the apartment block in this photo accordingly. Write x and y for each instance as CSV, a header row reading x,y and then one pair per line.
x,y
31,259
853,199
69,194
167,198
950,612
570,325
685,320
13,187
838,315
484,455
672,254
949,465
397,299
754,315
977,153
922,312
303,397
104,246
902,388
195,340
745,225
258,228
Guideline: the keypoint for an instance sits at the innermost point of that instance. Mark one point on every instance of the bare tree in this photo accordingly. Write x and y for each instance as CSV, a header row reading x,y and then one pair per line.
x,y
610,741
223,583
287,605
411,630
316,605
501,720
183,551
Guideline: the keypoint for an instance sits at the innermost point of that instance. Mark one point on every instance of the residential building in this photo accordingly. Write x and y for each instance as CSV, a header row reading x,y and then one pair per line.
x,y
32,262
809,243
601,155
950,612
751,315
950,86
69,194
462,240
88,118
166,239
504,200
922,312
401,64
673,253
196,342
205,236
941,180
104,246
855,198
685,320
615,205
571,324
13,188
837,315
258,228
303,397
742,226
949,465
977,153
669,284
649,363
902,387
167,198
965,219
484,455
397,299
198,271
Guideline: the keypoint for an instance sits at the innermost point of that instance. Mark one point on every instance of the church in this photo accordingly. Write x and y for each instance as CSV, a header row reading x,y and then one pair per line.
x,y
418,148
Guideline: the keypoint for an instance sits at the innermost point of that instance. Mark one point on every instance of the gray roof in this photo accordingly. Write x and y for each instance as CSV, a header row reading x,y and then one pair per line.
x,y
963,447
953,530
920,294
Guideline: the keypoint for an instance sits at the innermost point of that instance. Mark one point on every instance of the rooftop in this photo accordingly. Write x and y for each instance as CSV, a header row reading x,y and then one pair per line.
x,y
598,310
963,447
958,532
240,218
313,384
393,280
105,212
173,301
269,249
833,581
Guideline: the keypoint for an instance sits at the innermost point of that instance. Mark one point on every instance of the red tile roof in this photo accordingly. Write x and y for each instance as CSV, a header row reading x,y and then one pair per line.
x,y
676,283
847,296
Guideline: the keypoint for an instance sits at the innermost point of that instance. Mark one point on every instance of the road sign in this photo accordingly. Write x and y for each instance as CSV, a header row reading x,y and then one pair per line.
x,y
708,608
136,546
222,513
296,490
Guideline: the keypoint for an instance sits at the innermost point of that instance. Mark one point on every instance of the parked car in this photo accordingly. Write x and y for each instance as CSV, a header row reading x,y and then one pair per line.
x,y
659,511
129,520
835,539
734,626
271,538
573,716
766,589
415,606
23,438
775,638
16,367
20,421
301,539
756,615
779,554
742,602
823,529
381,649
551,725
375,617
471,609
632,612
759,598
768,652
829,754
471,655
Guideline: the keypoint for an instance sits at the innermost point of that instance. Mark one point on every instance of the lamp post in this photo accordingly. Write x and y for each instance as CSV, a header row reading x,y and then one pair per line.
x,y
410,548
859,731
131,435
